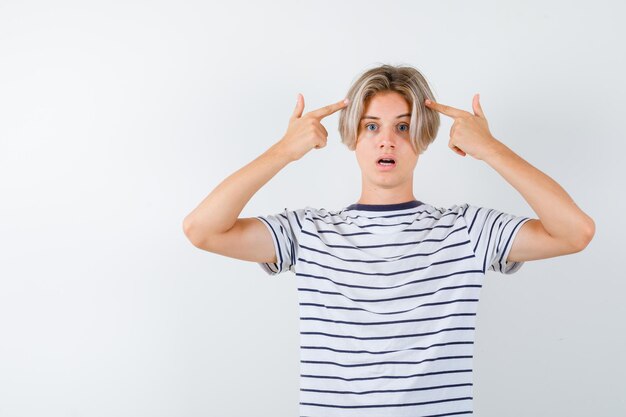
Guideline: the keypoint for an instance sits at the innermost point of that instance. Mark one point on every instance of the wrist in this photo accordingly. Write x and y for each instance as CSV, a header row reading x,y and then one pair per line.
x,y
279,152
496,150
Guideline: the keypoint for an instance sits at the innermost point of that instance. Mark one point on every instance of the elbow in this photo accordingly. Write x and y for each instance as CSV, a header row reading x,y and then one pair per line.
x,y
188,231
186,226
587,235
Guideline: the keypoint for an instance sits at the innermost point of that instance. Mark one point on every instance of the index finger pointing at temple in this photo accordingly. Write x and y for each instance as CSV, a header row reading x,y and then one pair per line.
x,y
328,110
447,110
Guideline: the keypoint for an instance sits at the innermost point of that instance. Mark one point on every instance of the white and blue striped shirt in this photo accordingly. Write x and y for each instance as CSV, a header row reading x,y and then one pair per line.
x,y
388,295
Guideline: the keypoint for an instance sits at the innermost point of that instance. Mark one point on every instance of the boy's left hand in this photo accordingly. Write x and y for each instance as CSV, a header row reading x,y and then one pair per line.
x,y
469,133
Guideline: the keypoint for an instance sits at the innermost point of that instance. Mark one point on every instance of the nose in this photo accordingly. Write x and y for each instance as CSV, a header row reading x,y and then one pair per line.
x,y
387,138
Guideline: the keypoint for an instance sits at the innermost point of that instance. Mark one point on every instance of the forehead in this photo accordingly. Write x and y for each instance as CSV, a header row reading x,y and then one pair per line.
x,y
387,105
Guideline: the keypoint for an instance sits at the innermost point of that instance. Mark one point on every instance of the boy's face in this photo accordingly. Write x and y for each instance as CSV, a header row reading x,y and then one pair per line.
x,y
387,135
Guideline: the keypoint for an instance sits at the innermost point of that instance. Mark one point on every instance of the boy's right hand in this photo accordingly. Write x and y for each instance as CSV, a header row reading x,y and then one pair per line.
x,y
306,132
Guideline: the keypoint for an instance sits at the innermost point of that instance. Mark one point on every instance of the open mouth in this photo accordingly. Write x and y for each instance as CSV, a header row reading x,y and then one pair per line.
x,y
386,162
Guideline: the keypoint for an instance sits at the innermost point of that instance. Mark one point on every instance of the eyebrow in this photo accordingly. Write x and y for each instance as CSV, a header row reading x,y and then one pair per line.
x,y
377,118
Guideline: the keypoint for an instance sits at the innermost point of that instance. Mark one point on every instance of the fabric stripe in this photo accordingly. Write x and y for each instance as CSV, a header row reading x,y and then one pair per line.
x,y
388,297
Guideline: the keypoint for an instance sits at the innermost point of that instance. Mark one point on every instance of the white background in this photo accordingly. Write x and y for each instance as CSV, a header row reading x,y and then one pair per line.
x,y
118,118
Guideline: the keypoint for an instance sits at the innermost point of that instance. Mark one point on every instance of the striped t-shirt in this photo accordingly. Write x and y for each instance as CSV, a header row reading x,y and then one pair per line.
x,y
388,295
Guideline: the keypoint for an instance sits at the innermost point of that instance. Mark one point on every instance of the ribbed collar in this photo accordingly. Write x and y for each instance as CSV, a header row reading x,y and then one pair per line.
x,y
385,207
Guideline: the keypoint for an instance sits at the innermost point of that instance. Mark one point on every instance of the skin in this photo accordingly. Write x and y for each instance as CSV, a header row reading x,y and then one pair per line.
x,y
562,227
388,135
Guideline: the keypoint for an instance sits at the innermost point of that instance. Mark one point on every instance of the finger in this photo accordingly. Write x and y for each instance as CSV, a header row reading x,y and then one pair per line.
x,y
320,145
455,148
323,130
478,110
447,110
297,112
458,150
328,110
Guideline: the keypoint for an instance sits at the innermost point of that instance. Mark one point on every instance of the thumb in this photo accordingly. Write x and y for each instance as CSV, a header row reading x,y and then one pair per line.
x,y
297,112
478,110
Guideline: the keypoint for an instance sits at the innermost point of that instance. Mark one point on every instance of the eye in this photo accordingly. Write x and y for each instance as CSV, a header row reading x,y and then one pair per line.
x,y
403,127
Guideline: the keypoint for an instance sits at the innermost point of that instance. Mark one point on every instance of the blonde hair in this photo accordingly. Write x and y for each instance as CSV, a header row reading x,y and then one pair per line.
x,y
405,80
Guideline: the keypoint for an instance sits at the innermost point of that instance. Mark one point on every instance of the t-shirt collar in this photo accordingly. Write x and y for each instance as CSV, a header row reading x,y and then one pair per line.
x,y
384,207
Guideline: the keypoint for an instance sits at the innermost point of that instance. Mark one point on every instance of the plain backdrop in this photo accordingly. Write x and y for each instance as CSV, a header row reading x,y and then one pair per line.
x,y
118,117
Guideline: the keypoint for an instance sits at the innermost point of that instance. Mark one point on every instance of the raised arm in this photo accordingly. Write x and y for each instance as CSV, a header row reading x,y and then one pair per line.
x,y
562,227
215,225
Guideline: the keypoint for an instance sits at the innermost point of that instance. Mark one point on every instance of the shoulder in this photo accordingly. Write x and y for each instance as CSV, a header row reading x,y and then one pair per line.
x,y
453,211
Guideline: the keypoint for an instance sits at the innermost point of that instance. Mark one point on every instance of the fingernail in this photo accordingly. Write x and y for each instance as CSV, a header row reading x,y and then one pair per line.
x,y
346,101
428,101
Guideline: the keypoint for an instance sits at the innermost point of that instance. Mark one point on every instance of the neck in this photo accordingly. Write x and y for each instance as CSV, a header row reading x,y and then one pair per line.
x,y
386,195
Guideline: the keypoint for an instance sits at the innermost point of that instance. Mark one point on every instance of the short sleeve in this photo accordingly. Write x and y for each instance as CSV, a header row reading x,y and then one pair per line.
x,y
285,228
492,233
